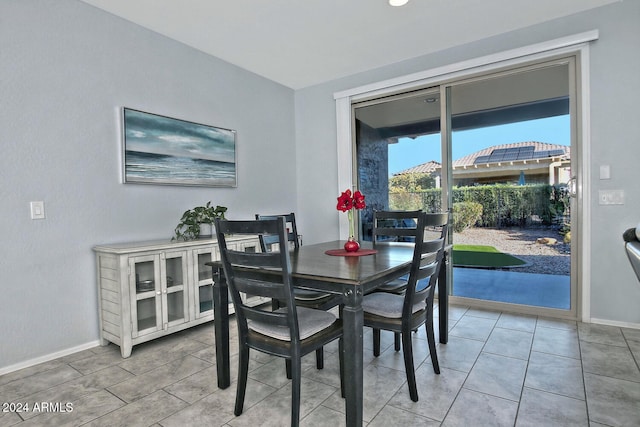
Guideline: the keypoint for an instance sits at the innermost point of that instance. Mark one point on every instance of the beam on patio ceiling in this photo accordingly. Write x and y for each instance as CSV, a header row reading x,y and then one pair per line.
x,y
484,118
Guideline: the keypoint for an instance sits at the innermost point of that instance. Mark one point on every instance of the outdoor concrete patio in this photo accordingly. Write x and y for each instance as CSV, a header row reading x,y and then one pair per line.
x,y
542,290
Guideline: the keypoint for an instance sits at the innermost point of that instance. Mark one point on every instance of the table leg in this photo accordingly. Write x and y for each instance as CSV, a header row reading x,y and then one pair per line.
x,y
221,325
443,301
352,319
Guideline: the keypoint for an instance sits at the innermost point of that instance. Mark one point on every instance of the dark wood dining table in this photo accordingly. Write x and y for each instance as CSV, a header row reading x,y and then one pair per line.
x,y
350,276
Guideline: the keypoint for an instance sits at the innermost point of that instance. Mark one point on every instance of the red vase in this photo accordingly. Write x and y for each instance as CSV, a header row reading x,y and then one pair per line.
x,y
352,245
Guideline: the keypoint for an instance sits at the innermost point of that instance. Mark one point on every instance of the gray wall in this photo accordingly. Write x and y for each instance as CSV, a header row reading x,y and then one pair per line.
x,y
65,70
615,130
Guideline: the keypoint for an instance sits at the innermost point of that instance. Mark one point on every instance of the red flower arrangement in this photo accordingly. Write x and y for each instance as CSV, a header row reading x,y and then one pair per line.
x,y
349,203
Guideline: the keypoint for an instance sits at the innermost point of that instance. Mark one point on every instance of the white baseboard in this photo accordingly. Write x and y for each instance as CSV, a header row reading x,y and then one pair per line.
x,y
616,323
46,358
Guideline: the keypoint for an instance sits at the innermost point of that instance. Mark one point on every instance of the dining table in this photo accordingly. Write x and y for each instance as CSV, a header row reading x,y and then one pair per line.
x,y
350,275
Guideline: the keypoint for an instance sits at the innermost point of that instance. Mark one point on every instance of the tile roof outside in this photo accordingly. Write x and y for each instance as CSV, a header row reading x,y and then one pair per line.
x,y
428,167
469,159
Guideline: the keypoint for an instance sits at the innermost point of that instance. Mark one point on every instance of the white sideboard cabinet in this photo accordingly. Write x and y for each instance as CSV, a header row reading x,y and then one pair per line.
x,y
150,289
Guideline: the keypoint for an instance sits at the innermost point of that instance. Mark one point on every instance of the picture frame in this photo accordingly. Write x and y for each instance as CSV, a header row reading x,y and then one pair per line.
x,y
163,150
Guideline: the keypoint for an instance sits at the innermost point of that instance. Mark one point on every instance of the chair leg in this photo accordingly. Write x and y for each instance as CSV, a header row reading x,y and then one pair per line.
x,y
407,350
243,372
296,368
376,342
320,358
341,359
431,339
396,341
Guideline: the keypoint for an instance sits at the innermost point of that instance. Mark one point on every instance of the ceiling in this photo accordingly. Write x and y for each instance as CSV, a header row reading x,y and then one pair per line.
x,y
300,43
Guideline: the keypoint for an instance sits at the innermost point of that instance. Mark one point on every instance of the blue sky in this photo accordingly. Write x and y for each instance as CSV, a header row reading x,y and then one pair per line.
x,y
412,152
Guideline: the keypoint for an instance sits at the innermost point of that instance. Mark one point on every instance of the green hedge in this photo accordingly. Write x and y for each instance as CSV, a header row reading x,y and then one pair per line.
x,y
502,205
465,215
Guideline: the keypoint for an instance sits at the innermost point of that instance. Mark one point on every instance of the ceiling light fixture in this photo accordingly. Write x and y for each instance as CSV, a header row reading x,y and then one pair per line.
x,y
398,2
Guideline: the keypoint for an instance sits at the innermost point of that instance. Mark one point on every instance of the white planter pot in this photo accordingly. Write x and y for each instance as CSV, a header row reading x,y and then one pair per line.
x,y
206,231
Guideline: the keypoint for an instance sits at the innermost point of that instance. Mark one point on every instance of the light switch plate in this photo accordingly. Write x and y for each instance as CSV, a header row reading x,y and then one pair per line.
x,y
37,210
605,172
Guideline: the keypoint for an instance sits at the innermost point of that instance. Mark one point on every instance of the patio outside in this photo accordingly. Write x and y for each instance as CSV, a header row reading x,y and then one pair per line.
x,y
544,280
498,203
528,221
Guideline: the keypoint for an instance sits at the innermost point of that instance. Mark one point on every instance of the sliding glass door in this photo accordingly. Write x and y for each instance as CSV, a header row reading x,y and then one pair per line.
x,y
509,177
497,150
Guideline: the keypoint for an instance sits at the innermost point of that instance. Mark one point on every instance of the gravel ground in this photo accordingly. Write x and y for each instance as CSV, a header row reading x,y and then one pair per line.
x,y
521,242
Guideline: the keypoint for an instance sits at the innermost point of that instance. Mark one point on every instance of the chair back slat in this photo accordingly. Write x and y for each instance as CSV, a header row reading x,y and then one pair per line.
x,y
255,259
437,219
427,270
259,288
397,215
394,225
421,292
264,274
390,231
432,246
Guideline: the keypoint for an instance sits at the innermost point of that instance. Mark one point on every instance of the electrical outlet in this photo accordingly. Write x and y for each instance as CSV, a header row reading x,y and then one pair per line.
x,y
611,197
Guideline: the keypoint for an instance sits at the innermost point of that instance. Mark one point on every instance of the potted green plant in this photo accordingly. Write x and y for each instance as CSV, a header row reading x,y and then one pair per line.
x,y
189,227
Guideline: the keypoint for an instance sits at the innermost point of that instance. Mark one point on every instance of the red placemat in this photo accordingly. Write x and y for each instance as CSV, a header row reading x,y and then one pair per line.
x,y
342,252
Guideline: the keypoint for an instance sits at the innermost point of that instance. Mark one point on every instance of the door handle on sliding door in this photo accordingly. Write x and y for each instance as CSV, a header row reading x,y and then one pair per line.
x,y
571,185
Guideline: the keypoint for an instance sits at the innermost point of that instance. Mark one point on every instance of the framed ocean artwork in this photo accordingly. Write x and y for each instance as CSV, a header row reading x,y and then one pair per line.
x,y
163,150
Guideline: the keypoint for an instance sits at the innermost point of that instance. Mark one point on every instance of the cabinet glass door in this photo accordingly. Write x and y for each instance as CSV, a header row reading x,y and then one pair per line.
x,y
145,304
174,301
204,294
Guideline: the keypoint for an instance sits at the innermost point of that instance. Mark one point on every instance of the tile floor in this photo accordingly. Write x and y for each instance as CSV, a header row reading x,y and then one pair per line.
x,y
497,369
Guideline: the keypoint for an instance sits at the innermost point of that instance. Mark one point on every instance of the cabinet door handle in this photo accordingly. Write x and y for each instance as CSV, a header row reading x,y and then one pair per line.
x,y
157,292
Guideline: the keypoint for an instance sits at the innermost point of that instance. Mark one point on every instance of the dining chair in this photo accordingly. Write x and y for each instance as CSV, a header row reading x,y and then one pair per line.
x,y
304,298
405,313
394,226
290,331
